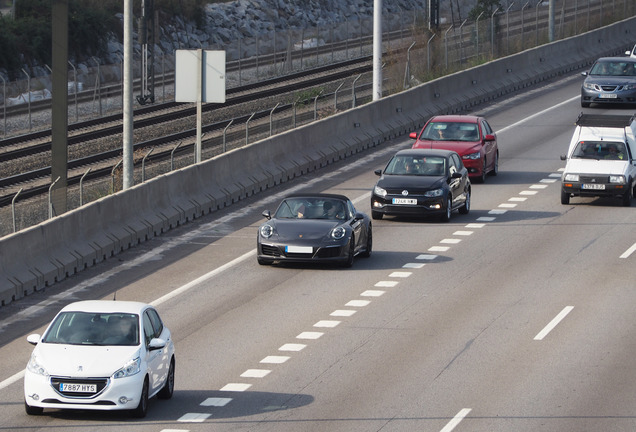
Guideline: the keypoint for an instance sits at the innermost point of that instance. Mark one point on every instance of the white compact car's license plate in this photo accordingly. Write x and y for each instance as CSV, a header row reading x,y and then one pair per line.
x,y
78,388
299,249
404,201
593,186
607,96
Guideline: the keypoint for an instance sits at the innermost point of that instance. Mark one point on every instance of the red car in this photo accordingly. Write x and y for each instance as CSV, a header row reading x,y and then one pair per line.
x,y
470,136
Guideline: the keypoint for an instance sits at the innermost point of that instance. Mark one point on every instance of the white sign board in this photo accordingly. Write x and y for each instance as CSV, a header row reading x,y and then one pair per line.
x,y
210,70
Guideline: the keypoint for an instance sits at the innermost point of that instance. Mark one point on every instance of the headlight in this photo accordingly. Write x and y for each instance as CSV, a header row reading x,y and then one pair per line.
x,y
589,86
379,191
35,367
472,156
267,231
619,179
629,87
131,368
571,177
338,233
434,193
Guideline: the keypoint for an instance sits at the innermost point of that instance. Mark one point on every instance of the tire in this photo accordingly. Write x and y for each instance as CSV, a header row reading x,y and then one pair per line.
x,y
446,217
168,388
376,215
367,251
32,410
627,197
482,177
142,408
466,207
495,168
348,262
565,198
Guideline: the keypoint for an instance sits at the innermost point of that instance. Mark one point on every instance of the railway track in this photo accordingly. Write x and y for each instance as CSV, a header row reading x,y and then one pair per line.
x,y
37,181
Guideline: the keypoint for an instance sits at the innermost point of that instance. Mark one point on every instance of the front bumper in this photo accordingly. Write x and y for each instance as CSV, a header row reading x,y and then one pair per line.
x,y
608,189
621,97
117,394
273,251
424,207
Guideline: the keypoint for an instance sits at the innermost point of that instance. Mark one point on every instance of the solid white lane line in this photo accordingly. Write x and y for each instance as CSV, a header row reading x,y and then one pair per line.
x,y
629,251
203,278
537,114
456,420
547,329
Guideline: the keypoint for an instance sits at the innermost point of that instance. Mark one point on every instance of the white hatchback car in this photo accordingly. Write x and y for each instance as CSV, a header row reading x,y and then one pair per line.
x,y
100,355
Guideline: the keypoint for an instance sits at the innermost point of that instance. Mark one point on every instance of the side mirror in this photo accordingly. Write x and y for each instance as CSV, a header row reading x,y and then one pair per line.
x,y
267,214
378,172
584,73
456,174
156,344
413,135
359,216
33,339
563,157
489,137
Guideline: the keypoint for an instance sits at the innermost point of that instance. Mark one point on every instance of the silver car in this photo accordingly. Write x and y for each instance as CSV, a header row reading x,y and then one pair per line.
x,y
611,80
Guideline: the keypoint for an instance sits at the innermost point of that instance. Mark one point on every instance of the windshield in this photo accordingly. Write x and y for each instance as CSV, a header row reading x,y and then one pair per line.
x,y
614,68
612,150
416,166
451,131
82,328
312,208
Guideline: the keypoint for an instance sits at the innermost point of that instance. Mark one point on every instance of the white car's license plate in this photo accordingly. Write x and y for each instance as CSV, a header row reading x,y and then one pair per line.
x,y
299,249
607,96
593,186
78,388
404,201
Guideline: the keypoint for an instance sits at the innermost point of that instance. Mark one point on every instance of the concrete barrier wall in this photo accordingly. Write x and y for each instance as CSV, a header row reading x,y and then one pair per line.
x,y
58,248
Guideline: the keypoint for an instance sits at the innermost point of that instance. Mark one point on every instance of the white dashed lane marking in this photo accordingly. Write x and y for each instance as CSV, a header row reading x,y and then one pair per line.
x,y
236,387
275,359
309,335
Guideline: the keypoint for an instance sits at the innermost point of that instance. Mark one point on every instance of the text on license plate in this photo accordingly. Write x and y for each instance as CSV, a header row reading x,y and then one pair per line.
x,y
299,249
593,186
607,96
78,388
404,201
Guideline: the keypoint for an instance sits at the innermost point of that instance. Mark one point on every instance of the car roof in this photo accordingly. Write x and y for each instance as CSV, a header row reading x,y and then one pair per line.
x,y
456,118
318,195
617,59
106,306
425,152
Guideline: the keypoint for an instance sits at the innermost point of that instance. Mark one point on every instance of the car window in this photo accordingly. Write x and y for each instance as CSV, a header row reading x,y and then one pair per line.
x,y
486,127
456,163
613,68
149,332
157,324
84,328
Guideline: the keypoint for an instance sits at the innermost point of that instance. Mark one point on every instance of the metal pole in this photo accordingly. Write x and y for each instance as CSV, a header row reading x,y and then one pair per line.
x,y
143,166
271,114
127,137
172,155
82,187
492,33
51,198
428,53
75,90
224,132
407,71
98,82
112,175
446,46
508,28
335,101
353,91
28,96
377,50
13,208
316,105
197,147
247,129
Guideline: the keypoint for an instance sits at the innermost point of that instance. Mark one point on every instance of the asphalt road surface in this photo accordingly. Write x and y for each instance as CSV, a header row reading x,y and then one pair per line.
x,y
516,317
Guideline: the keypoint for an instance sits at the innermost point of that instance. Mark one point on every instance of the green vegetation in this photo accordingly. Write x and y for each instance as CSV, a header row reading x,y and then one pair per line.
x,y
27,38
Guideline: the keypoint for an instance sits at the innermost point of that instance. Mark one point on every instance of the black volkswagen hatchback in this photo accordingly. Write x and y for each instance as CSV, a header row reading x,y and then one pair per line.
x,y
422,182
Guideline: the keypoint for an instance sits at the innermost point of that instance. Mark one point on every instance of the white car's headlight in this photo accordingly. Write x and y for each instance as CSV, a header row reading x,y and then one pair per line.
x,y
131,368
379,191
267,231
571,177
472,156
35,367
434,193
618,179
338,233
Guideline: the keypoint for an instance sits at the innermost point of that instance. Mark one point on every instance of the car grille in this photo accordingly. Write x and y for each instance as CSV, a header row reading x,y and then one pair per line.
x,y
329,252
270,250
101,383
594,179
609,88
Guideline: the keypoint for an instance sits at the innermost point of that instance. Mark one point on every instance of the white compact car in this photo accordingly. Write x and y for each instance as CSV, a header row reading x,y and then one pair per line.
x,y
100,355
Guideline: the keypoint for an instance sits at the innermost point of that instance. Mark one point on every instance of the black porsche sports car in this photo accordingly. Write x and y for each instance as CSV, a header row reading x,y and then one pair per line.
x,y
422,182
312,228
